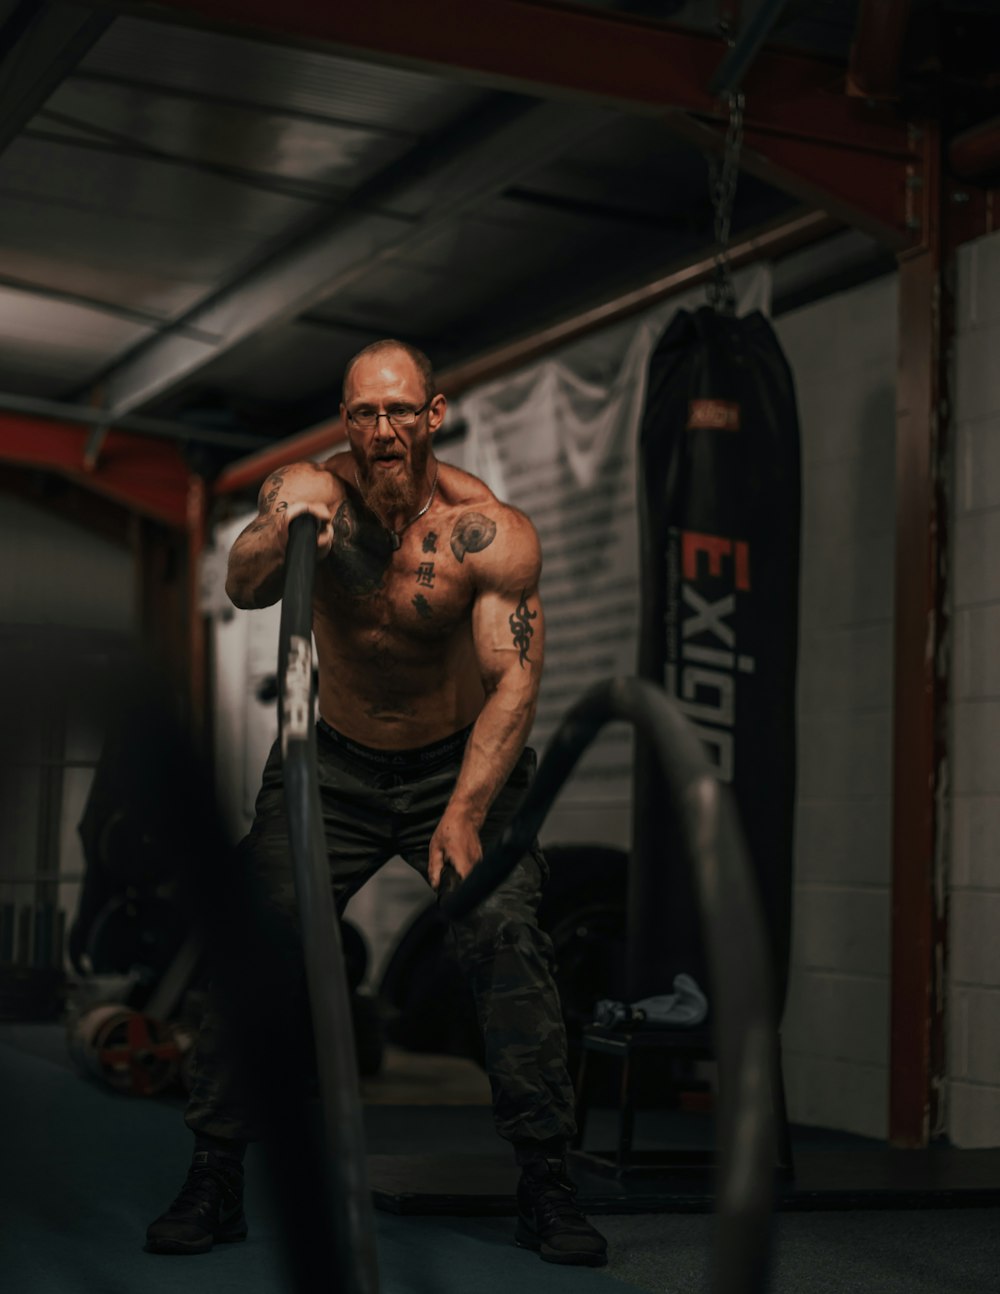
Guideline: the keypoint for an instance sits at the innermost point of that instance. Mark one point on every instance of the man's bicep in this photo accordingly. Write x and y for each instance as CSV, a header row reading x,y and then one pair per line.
x,y
509,631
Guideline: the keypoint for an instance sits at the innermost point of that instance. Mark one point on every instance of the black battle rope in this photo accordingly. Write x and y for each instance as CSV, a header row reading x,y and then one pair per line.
x,y
743,1028
349,1204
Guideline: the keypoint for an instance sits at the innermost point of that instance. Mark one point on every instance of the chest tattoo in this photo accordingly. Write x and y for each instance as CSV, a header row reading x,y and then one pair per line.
x,y
471,534
361,551
423,607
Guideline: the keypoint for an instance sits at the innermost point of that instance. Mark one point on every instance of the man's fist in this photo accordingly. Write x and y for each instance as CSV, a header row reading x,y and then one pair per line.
x,y
455,844
324,529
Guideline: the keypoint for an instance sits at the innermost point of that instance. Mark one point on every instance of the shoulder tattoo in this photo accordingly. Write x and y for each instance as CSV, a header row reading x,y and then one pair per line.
x,y
471,534
520,627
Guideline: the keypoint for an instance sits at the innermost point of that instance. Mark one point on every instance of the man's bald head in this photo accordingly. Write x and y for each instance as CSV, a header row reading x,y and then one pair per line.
x,y
387,344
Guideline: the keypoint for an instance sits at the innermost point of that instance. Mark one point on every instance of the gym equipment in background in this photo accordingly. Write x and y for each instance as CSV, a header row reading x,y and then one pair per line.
x,y
720,509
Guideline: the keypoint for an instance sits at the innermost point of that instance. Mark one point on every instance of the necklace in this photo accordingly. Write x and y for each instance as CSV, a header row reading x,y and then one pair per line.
x,y
394,535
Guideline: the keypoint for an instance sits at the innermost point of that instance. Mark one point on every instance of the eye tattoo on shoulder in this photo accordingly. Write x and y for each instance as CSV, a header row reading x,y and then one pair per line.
x,y
520,627
472,533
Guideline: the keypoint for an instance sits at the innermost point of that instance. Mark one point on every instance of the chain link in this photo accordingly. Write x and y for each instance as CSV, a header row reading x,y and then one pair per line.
x,y
723,179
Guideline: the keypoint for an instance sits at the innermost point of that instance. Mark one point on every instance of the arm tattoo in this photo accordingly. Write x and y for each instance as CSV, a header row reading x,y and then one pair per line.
x,y
472,533
274,483
520,627
267,517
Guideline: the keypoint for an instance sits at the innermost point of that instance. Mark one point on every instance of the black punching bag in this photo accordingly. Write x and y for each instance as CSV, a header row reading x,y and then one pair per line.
x,y
720,499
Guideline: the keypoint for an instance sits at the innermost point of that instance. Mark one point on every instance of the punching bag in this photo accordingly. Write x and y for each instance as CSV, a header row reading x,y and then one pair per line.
x,y
720,502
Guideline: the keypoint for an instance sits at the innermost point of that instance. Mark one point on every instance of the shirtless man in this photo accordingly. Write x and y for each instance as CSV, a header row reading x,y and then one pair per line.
x,y
429,636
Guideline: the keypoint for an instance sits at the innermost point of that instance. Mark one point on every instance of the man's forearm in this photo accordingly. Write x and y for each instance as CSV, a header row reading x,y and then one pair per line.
x,y
256,575
498,736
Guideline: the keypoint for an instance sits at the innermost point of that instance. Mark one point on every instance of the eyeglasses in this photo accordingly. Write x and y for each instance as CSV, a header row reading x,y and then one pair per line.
x,y
400,417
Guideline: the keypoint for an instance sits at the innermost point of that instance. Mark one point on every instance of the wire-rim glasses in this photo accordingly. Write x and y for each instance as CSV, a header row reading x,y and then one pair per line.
x,y
400,417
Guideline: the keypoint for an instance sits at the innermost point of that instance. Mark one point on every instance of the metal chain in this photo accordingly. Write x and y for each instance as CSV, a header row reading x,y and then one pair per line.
x,y
723,179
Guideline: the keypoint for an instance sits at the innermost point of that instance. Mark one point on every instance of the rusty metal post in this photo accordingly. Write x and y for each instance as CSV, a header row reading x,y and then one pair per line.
x,y
917,1053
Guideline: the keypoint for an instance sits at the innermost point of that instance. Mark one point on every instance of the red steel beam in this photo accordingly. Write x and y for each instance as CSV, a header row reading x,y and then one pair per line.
x,y
976,152
919,948
247,473
148,476
548,49
877,51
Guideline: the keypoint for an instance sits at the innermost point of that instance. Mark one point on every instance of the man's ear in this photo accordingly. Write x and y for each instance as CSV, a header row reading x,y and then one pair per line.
x,y
436,412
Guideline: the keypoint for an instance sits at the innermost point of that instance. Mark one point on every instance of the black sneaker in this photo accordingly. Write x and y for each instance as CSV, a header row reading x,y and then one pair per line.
x,y
549,1221
208,1210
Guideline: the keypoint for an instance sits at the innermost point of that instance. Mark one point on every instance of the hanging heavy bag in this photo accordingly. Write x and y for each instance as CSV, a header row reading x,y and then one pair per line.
x,y
720,501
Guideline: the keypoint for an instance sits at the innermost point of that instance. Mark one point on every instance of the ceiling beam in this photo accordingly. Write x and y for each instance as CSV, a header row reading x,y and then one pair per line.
x,y
442,181
552,50
877,52
147,476
40,44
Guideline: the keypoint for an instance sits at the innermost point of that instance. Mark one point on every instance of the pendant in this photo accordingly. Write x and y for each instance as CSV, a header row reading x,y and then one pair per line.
x,y
394,541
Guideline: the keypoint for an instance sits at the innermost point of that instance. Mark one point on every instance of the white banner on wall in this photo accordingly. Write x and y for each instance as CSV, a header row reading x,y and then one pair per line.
x,y
558,439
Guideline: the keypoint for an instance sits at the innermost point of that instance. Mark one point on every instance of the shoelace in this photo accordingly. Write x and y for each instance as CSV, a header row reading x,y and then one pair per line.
x,y
200,1186
555,1201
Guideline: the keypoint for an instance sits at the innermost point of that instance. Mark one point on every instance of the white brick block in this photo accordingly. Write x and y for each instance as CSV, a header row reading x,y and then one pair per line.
x,y
975,749
975,841
986,267
846,411
845,755
975,641
871,318
843,670
974,938
973,1116
847,584
847,498
981,1022
841,1017
977,373
976,558
837,1094
844,841
977,464
967,288
841,929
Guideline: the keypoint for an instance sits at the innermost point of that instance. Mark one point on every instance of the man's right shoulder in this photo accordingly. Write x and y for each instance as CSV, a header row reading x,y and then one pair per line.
x,y
316,479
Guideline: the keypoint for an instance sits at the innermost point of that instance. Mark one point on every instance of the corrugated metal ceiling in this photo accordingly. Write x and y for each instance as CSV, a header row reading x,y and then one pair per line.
x,y
173,165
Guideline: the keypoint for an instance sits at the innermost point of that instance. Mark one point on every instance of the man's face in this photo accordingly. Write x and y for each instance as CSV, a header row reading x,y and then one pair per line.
x,y
391,461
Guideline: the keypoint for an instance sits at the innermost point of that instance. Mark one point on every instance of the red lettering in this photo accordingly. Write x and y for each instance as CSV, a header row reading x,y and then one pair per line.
x,y
714,546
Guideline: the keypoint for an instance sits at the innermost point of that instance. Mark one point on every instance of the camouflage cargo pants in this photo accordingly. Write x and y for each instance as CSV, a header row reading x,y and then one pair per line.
x,y
376,805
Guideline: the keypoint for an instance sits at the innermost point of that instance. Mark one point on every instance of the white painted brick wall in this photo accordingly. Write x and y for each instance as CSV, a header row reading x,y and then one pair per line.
x,y
973,1003
836,1028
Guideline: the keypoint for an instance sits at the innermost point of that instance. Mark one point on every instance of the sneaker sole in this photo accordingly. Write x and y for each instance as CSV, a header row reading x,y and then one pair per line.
x,y
184,1247
525,1239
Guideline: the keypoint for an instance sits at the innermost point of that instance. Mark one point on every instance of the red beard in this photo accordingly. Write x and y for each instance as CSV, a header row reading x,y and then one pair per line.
x,y
393,490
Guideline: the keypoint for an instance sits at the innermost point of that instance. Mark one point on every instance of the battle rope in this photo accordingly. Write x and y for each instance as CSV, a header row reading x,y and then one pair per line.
x,y
744,1028
348,1196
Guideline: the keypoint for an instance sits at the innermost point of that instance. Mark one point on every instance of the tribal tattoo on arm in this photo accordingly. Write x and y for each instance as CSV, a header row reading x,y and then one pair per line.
x,y
520,627
472,533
